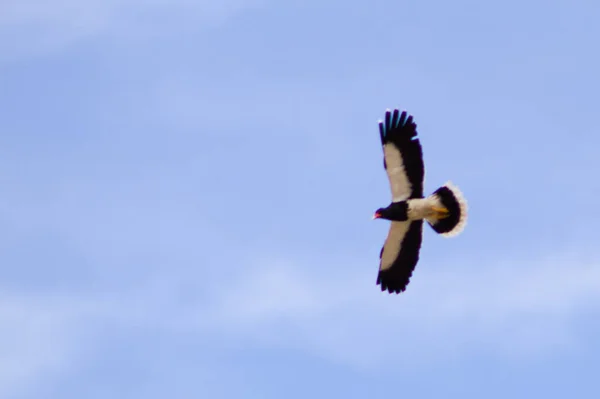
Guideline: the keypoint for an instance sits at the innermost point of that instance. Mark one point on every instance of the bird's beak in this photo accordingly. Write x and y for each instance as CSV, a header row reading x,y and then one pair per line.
x,y
376,216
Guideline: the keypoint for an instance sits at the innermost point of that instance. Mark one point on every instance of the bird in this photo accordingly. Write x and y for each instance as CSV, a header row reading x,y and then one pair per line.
x,y
445,210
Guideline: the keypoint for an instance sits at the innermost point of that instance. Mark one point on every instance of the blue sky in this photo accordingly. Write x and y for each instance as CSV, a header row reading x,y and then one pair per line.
x,y
187,191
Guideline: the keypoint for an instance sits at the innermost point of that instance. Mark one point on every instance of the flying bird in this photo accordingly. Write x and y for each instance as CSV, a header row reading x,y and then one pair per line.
x,y
445,210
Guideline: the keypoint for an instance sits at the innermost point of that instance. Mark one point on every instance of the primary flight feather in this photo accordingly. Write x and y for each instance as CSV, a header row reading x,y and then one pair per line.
x,y
445,210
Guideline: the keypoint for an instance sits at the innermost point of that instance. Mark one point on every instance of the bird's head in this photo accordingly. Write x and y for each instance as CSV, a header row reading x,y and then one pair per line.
x,y
379,214
396,211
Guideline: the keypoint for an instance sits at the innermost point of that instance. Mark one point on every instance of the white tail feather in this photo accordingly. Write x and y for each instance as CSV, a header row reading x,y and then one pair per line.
x,y
464,210
456,203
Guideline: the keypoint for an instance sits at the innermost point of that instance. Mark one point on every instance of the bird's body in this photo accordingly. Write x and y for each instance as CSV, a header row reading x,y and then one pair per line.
x,y
445,210
413,209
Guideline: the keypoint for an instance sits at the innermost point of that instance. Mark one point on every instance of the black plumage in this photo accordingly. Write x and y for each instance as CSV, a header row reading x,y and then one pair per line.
x,y
444,210
401,132
397,276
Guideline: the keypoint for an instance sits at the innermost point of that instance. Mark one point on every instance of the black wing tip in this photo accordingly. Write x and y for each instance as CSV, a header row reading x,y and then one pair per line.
x,y
397,277
403,114
397,123
392,285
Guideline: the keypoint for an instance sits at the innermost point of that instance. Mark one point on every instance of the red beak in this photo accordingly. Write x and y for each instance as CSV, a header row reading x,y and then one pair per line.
x,y
377,215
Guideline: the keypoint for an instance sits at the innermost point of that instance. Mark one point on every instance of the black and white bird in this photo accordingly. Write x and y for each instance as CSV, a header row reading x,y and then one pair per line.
x,y
445,210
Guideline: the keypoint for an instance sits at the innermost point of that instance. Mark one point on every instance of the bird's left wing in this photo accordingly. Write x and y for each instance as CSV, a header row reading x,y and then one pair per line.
x,y
403,156
399,255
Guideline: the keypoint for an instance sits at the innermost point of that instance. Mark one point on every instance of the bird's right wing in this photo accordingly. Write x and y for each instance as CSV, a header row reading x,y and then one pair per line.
x,y
399,255
403,156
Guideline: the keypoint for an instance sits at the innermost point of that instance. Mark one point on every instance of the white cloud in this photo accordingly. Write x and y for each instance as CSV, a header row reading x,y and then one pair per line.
x,y
501,308
47,336
39,26
38,337
73,14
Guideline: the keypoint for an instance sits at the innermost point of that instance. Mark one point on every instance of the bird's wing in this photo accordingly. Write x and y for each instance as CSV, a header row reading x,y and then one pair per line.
x,y
403,156
399,255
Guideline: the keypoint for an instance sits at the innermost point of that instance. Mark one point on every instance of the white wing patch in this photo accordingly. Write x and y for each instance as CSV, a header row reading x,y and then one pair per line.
x,y
399,183
393,244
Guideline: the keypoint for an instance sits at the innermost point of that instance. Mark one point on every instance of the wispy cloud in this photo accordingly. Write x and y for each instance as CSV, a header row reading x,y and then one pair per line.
x,y
37,26
39,337
485,309
334,312
100,14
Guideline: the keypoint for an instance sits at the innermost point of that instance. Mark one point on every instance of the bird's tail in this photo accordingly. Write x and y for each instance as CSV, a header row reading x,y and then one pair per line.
x,y
450,198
